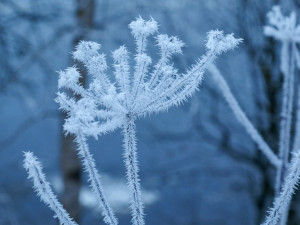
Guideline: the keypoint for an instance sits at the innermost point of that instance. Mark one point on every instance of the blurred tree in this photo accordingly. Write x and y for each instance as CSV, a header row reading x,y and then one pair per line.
x,y
70,164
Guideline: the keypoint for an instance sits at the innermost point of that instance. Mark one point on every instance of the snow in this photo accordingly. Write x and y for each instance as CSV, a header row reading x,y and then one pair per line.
x,y
116,192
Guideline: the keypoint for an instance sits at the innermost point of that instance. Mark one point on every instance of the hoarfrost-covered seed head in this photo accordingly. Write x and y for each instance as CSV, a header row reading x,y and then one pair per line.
x,y
169,44
85,109
66,104
85,50
275,16
216,41
82,118
120,54
142,27
281,27
96,64
68,77
144,59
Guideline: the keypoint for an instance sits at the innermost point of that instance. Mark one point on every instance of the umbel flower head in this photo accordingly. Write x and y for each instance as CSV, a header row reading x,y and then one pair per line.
x,y
110,102
136,92
282,28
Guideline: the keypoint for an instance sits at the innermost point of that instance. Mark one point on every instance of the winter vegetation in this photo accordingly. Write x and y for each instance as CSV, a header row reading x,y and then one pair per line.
x,y
227,153
43,189
285,30
107,105
281,203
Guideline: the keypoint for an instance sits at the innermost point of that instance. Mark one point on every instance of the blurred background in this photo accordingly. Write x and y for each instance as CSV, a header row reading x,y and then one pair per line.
x,y
197,163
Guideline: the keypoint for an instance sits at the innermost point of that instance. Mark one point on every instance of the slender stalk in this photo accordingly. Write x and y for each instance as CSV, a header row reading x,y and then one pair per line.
x,y
285,213
94,178
288,188
44,190
131,162
242,118
296,146
286,111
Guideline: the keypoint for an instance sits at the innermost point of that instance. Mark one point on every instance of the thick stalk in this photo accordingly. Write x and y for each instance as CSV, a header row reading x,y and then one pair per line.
x,y
286,112
131,162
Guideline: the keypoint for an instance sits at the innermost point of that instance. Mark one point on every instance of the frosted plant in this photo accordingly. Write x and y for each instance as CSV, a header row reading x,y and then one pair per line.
x,y
43,189
288,188
285,30
281,204
242,118
110,103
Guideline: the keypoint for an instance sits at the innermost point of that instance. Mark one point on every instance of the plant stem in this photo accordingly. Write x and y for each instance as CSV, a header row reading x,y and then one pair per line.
x,y
94,178
44,190
242,118
131,163
282,201
286,111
